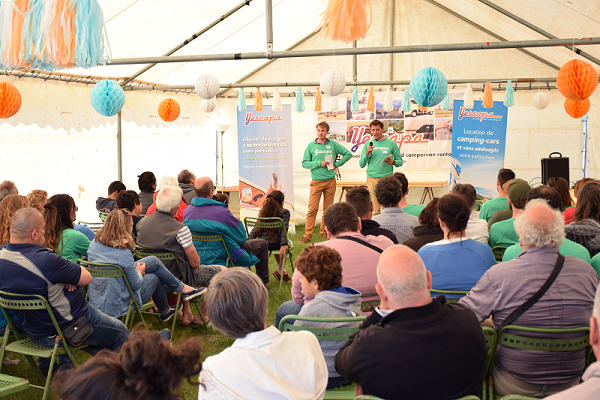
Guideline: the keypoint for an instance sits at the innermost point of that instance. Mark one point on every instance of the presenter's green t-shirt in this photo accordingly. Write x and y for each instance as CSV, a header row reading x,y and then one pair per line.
x,y
491,206
414,209
316,152
381,149
568,248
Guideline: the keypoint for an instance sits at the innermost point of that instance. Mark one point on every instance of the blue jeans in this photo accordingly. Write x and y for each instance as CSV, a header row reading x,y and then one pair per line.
x,y
156,278
109,333
287,308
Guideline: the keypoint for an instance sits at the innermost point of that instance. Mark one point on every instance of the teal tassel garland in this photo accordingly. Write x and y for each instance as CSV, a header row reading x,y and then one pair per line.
x,y
406,101
300,101
241,100
445,105
509,96
354,102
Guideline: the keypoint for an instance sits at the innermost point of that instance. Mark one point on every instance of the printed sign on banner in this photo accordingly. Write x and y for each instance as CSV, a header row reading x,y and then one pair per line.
x,y
478,144
265,158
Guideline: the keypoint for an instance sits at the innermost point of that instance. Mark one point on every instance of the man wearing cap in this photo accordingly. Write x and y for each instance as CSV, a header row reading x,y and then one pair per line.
x,y
503,233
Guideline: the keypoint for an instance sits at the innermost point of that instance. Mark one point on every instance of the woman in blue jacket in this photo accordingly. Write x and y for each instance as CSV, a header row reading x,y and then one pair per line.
x,y
114,244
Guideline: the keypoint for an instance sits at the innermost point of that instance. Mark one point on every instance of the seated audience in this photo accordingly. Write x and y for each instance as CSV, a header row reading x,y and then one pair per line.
x,y
568,248
36,270
161,231
206,216
146,367
359,256
186,180
411,339
566,304
562,187
222,197
37,199
262,363
147,186
388,192
8,206
503,233
412,209
6,188
276,238
60,233
457,262
130,201
167,180
585,227
477,229
320,271
568,213
147,277
360,198
107,204
429,229
490,207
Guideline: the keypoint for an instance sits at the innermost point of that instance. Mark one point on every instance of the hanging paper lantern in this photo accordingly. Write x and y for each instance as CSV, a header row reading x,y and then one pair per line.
x,y
107,98
509,96
333,83
428,87
406,100
299,101
540,100
208,106
241,100
10,100
277,101
318,105
354,101
388,104
445,105
577,80
468,97
347,20
258,100
371,100
168,110
577,109
207,86
488,97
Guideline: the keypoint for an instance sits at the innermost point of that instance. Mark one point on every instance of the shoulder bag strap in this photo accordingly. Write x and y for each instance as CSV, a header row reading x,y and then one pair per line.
x,y
533,299
357,240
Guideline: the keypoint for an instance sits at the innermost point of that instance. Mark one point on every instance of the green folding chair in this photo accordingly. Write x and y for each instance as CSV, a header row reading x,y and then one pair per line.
x,y
272,223
518,397
212,239
440,291
491,338
369,305
94,226
326,334
102,270
11,384
32,302
498,252
163,255
102,215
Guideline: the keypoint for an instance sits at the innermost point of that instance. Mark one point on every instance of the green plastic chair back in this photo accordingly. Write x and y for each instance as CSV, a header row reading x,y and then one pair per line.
x,y
369,305
102,215
517,397
10,384
32,302
498,252
440,291
212,239
94,226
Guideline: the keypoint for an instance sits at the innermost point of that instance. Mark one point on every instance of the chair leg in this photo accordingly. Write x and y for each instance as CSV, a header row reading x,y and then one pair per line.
x,y
198,305
49,377
128,314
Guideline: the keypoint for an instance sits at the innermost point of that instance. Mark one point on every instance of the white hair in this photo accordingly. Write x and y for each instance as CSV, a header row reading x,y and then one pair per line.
x,y
596,312
540,234
168,197
167,180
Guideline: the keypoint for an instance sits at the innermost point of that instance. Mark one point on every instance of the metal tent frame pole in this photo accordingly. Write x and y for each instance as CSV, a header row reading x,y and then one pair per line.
x,y
269,21
119,149
362,51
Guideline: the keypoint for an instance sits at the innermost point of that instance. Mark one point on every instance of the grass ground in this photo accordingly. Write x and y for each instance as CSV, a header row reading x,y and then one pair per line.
x,y
213,342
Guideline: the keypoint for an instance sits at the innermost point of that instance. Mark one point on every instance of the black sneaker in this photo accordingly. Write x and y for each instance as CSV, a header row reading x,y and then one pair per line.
x,y
194,293
166,334
170,314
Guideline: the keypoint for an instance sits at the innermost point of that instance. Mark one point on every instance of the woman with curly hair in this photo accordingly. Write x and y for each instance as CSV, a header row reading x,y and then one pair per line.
x,y
275,237
60,235
8,206
37,199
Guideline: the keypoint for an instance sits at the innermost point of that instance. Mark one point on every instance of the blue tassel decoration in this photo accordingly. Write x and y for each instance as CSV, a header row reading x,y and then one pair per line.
x,y
445,105
300,101
354,102
406,101
509,97
241,100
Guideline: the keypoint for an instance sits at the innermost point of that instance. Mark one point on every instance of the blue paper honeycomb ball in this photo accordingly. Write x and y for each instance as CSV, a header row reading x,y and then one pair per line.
x,y
107,97
429,87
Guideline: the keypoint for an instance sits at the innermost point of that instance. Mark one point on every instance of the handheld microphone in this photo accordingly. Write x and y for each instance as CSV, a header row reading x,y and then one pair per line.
x,y
369,153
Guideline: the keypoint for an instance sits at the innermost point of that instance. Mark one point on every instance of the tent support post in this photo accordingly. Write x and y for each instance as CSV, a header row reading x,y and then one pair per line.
x,y
119,149
392,20
481,28
585,146
269,18
354,63
188,40
536,29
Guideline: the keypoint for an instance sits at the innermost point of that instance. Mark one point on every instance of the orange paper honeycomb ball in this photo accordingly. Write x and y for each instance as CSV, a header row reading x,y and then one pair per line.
x,y
577,109
10,100
577,80
168,110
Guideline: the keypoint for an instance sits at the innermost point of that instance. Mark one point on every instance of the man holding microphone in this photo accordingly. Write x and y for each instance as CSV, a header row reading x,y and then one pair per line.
x,y
320,157
382,154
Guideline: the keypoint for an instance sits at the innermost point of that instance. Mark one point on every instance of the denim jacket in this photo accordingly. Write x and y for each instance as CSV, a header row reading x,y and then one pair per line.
x,y
110,295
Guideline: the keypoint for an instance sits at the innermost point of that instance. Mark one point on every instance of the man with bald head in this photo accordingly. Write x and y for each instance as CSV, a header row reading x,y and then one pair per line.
x,y
567,303
206,216
26,267
411,340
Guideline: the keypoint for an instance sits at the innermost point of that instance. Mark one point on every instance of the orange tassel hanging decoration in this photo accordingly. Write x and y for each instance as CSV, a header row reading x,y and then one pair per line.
x,y
318,106
488,99
371,101
258,100
347,20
